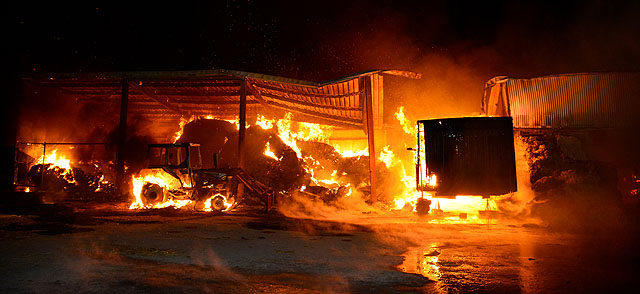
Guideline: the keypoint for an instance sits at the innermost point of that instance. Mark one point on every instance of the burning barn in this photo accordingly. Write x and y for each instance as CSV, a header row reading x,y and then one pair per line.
x,y
579,130
262,124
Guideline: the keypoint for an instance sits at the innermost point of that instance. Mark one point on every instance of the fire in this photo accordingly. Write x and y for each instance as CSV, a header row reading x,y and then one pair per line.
x,y
433,181
55,161
264,122
268,152
225,202
313,132
168,183
291,133
61,164
352,153
460,204
407,126
285,134
386,156
159,178
186,120
183,122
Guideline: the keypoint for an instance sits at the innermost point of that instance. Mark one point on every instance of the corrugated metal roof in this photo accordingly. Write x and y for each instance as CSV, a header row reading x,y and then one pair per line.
x,y
583,100
170,95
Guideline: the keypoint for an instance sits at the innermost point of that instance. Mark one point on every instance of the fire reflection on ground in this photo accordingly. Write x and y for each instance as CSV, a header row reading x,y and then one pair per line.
x,y
423,261
171,250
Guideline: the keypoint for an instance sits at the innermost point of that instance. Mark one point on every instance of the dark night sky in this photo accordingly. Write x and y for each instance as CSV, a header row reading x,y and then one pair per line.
x,y
319,41
448,41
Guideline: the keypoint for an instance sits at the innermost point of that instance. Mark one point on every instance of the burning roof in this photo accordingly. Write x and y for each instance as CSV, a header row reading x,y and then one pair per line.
x,y
171,95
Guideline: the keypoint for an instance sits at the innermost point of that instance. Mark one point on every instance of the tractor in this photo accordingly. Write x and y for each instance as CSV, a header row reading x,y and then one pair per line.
x,y
219,189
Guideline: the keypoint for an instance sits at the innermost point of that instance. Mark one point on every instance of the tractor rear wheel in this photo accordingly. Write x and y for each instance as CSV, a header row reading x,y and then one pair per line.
x,y
152,194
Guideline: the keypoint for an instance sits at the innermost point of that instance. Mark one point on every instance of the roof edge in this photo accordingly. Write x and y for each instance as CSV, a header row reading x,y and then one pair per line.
x,y
498,79
203,74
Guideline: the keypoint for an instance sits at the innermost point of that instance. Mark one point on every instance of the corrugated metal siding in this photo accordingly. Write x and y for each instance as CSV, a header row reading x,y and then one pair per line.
x,y
335,103
595,100
159,95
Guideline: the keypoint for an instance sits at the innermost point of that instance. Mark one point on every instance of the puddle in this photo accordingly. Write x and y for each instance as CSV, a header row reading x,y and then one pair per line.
x,y
422,261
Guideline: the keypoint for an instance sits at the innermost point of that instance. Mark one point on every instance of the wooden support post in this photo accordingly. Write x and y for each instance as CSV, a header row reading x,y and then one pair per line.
x,y
122,134
242,119
368,102
44,155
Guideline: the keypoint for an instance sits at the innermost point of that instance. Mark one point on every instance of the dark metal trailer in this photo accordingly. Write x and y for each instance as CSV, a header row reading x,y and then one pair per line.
x,y
468,156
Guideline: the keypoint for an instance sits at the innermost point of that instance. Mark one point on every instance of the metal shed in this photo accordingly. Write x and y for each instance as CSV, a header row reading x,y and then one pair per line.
x,y
352,102
566,101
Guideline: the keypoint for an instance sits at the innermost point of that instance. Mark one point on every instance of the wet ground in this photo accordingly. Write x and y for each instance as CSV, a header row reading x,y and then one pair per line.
x,y
108,249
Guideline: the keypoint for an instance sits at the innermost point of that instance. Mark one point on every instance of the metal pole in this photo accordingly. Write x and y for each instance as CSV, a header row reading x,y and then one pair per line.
x,y
242,121
122,133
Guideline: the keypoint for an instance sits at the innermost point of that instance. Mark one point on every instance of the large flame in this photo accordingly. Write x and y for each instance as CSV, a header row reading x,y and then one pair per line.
x,y
291,133
406,124
159,178
459,204
352,153
55,161
61,164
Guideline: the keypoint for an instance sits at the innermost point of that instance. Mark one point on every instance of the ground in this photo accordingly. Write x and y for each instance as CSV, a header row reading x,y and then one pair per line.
x,y
106,248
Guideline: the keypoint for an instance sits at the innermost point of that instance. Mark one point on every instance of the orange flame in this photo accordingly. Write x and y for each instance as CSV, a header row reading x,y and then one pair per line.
x,y
406,124
186,120
460,204
58,162
291,132
268,152
386,156
159,178
264,122
61,162
226,202
351,153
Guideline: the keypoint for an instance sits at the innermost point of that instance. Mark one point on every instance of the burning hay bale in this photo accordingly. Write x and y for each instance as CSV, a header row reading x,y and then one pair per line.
x,y
275,162
282,173
218,138
75,180
330,163
50,177
212,135
290,157
56,173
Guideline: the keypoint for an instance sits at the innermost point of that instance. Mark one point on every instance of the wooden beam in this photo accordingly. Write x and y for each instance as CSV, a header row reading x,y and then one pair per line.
x,y
365,82
242,121
328,117
292,91
305,103
256,95
153,96
403,73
